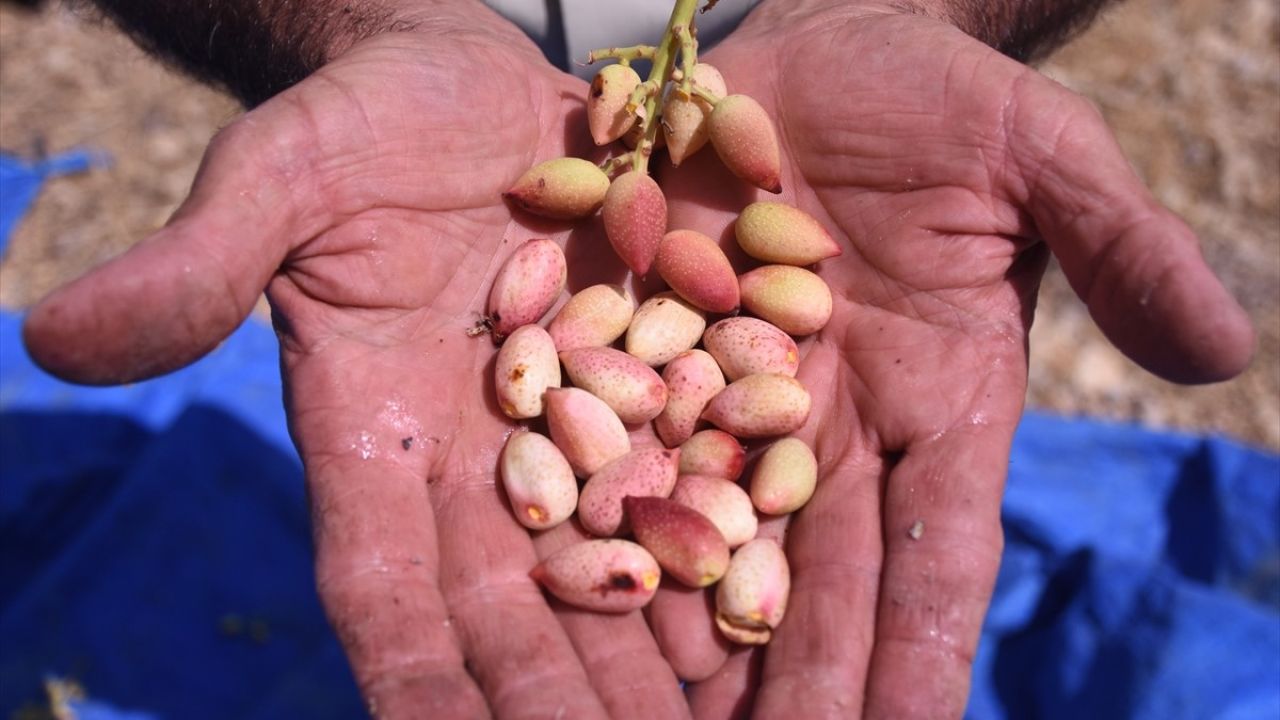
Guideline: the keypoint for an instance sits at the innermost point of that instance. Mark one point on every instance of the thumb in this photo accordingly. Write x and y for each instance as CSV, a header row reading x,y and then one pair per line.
x,y
1135,264
173,297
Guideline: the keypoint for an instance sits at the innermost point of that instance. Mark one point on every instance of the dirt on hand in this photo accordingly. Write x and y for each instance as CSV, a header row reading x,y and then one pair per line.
x,y
1192,92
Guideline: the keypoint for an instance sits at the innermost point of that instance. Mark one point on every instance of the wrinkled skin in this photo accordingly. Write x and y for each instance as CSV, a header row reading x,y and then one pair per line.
x,y
947,172
366,200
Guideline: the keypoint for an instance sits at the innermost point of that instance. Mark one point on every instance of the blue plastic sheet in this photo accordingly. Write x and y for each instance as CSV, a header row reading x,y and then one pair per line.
x,y
156,544
1140,579
20,183
154,549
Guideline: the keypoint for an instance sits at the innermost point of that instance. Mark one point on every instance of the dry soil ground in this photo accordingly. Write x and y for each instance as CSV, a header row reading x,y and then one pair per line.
x,y
1192,88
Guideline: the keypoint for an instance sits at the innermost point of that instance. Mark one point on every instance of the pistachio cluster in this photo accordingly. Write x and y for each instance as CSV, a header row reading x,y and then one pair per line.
x,y
682,502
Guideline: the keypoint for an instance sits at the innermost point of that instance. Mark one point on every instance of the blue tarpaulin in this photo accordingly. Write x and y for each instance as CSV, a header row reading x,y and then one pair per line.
x,y
20,182
154,549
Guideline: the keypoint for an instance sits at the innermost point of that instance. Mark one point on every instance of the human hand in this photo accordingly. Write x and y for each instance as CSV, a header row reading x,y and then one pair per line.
x,y
367,200
948,173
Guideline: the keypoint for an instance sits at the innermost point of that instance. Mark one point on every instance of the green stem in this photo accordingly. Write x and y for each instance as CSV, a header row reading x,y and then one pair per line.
x,y
623,55
614,165
688,57
640,96
663,64
705,94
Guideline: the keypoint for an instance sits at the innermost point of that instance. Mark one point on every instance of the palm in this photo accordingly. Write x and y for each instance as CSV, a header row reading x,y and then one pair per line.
x,y
386,388
366,199
369,196
927,343
410,224
899,134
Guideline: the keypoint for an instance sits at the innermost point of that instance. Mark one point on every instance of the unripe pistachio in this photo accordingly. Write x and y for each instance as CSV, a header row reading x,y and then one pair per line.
x,y
564,188
538,480
723,502
745,346
664,326
526,287
630,388
607,115
779,233
601,575
692,379
635,219
784,478
698,270
584,428
761,405
593,317
714,453
526,366
792,298
685,120
751,598
647,472
684,542
743,136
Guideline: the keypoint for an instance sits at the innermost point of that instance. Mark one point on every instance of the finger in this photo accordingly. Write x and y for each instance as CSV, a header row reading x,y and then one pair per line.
x,y
730,693
1135,264
682,620
372,439
620,655
377,575
942,542
176,295
515,647
817,659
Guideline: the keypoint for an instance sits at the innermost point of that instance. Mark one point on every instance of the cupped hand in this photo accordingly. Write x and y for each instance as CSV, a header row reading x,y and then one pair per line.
x,y
367,200
948,173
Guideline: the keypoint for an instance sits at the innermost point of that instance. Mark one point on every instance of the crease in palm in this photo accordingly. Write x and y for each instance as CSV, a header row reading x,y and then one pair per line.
x,y
367,199
401,322
896,133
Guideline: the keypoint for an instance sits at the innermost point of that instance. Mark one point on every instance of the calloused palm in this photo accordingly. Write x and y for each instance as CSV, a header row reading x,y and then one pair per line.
x,y
367,199
942,166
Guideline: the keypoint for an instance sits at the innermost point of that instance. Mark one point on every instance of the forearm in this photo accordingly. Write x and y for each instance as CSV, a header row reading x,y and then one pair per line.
x,y
256,48
1025,30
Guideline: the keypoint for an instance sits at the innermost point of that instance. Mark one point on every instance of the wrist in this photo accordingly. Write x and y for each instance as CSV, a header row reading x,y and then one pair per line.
x,y
1025,30
257,48
801,16
455,19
